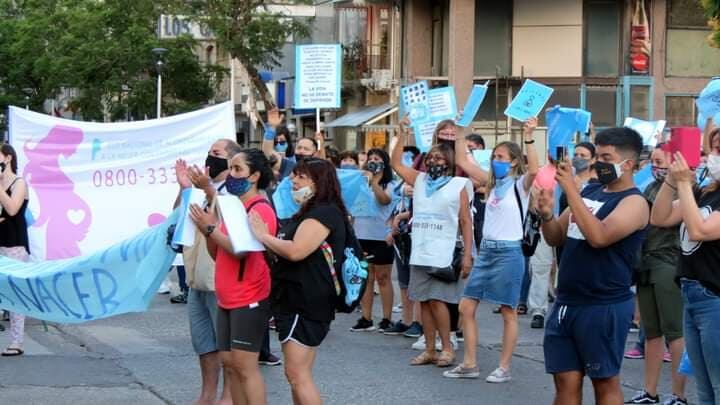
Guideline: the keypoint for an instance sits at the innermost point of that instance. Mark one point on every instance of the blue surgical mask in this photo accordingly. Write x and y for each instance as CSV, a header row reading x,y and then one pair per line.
x,y
500,169
281,147
237,186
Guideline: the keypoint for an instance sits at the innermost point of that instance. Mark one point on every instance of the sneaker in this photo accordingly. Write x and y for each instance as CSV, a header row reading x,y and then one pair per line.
x,y
460,336
642,397
634,327
270,360
397,309
363,325
500,375
538,322
462,372
180,298
419,344
634,354
384,325
667,357
164,288
397,329
454,340
414,331
675,400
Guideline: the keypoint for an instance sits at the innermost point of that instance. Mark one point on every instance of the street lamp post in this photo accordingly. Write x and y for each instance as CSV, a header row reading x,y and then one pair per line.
x,y
159,65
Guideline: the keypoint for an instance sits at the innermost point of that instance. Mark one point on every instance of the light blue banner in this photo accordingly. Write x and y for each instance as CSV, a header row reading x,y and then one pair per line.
x,y
643,177
443,105
529,101
708,103
356,193
123,278
482,158
473,104
562,124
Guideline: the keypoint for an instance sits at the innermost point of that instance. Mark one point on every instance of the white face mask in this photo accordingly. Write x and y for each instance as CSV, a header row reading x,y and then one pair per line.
x,y
713,166
301,195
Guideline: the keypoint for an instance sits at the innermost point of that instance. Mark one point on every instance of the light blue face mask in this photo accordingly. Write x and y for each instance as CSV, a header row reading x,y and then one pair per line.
x,y
281,147
500,169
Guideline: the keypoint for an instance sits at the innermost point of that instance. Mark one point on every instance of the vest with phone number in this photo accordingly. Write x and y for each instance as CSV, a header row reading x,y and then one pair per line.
x,y
435,221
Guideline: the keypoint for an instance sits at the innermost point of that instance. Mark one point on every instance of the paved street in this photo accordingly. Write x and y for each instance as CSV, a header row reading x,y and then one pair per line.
x,y
146,358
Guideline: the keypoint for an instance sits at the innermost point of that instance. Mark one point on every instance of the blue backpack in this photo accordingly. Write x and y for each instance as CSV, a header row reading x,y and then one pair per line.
x,y
350,285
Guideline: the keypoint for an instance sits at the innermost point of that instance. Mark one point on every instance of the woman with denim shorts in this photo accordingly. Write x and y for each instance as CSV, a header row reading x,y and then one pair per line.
x,y
498,269
698,212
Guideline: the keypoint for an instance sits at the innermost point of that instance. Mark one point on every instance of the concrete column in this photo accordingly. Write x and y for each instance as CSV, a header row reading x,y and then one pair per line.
x,y
461,48
417,39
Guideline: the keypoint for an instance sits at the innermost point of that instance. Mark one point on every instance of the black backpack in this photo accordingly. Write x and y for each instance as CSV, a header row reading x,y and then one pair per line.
x,y
531,227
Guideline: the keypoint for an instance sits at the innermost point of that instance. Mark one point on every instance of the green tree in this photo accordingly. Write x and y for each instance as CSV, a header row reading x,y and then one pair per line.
x,y
101,48
251,33
712,11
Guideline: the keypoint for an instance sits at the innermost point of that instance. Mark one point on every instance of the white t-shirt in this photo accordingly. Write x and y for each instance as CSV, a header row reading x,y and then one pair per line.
x,y
502,216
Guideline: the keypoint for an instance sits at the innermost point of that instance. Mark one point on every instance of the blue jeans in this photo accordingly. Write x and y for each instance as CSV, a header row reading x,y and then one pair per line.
x,y
702,338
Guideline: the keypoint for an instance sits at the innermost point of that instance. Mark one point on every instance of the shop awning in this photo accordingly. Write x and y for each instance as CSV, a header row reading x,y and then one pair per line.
x,y
362,116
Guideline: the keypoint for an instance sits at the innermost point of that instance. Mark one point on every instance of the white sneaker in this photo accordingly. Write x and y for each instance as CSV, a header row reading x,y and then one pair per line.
x,y
454,340
419,344
164,287
397,309
500,375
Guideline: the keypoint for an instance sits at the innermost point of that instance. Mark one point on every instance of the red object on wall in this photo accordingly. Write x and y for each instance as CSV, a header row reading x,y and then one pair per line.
x,y
640,40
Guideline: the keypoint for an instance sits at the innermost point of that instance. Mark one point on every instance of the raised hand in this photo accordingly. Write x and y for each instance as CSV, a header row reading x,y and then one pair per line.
x,y
529,128
275,118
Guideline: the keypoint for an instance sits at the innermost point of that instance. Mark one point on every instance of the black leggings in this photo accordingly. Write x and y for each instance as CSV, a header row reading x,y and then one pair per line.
x,y
454,316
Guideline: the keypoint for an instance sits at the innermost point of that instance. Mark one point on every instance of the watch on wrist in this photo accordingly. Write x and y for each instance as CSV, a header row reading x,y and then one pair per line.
x,y
529,142
210,229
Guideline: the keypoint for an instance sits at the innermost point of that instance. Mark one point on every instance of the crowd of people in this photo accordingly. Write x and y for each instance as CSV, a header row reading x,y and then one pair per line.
x,y
457,234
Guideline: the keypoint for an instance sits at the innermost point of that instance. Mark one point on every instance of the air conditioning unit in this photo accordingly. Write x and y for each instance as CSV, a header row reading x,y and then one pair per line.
x,y
383,79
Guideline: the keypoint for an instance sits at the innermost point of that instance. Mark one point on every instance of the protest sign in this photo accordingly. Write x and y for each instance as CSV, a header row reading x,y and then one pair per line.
x,y
482,158
650,131
529,101
94,184
414,101
442,103
472,106
562,124
186,229
122,278
318,75
238,225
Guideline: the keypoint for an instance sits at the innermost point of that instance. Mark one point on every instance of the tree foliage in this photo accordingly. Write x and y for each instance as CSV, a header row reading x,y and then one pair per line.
x,y
250,32
712,11
102,48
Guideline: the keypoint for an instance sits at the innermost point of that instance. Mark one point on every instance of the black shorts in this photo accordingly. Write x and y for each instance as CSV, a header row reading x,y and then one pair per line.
x,y
381,253
300,330
242,328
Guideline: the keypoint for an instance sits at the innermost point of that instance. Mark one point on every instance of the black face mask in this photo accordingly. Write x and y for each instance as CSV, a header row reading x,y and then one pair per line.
x,y
2,167
375,167
216,165
606,172
435,171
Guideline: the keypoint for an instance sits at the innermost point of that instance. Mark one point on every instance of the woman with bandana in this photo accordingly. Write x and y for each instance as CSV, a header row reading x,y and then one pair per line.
x,y
242,280
498,269
441,216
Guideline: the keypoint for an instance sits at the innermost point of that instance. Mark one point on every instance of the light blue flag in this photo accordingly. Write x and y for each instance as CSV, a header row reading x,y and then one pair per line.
x,y
356,194
562,125
473,104
529,101
648,130
708,103
120,279
482,158
643,177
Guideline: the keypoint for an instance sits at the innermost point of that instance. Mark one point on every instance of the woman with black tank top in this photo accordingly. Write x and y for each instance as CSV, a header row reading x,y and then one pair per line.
x,y
698,212
13,232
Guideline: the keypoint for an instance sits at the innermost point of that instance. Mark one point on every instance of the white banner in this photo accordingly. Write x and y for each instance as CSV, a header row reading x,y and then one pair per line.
x,y
95,184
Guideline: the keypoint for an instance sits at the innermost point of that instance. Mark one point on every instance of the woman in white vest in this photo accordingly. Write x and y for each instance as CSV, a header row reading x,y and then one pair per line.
x,y
498,270
441,213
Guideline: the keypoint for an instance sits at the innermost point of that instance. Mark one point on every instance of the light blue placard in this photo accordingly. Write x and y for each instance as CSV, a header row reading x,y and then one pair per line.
x,y
648,130
123,278
443,105
356,193
482,158
643,177
529,101
423,132
477,95
562,124
414,101
708,103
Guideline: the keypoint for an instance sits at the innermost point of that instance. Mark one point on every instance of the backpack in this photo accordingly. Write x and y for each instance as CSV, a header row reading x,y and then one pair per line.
x,y
350,284
531,227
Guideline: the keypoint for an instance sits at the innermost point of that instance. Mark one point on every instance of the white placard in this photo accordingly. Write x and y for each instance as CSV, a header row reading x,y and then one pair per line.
x,y
238,225
317,76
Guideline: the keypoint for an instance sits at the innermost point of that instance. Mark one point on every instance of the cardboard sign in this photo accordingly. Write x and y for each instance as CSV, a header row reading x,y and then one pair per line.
x,y
531,98
650,131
